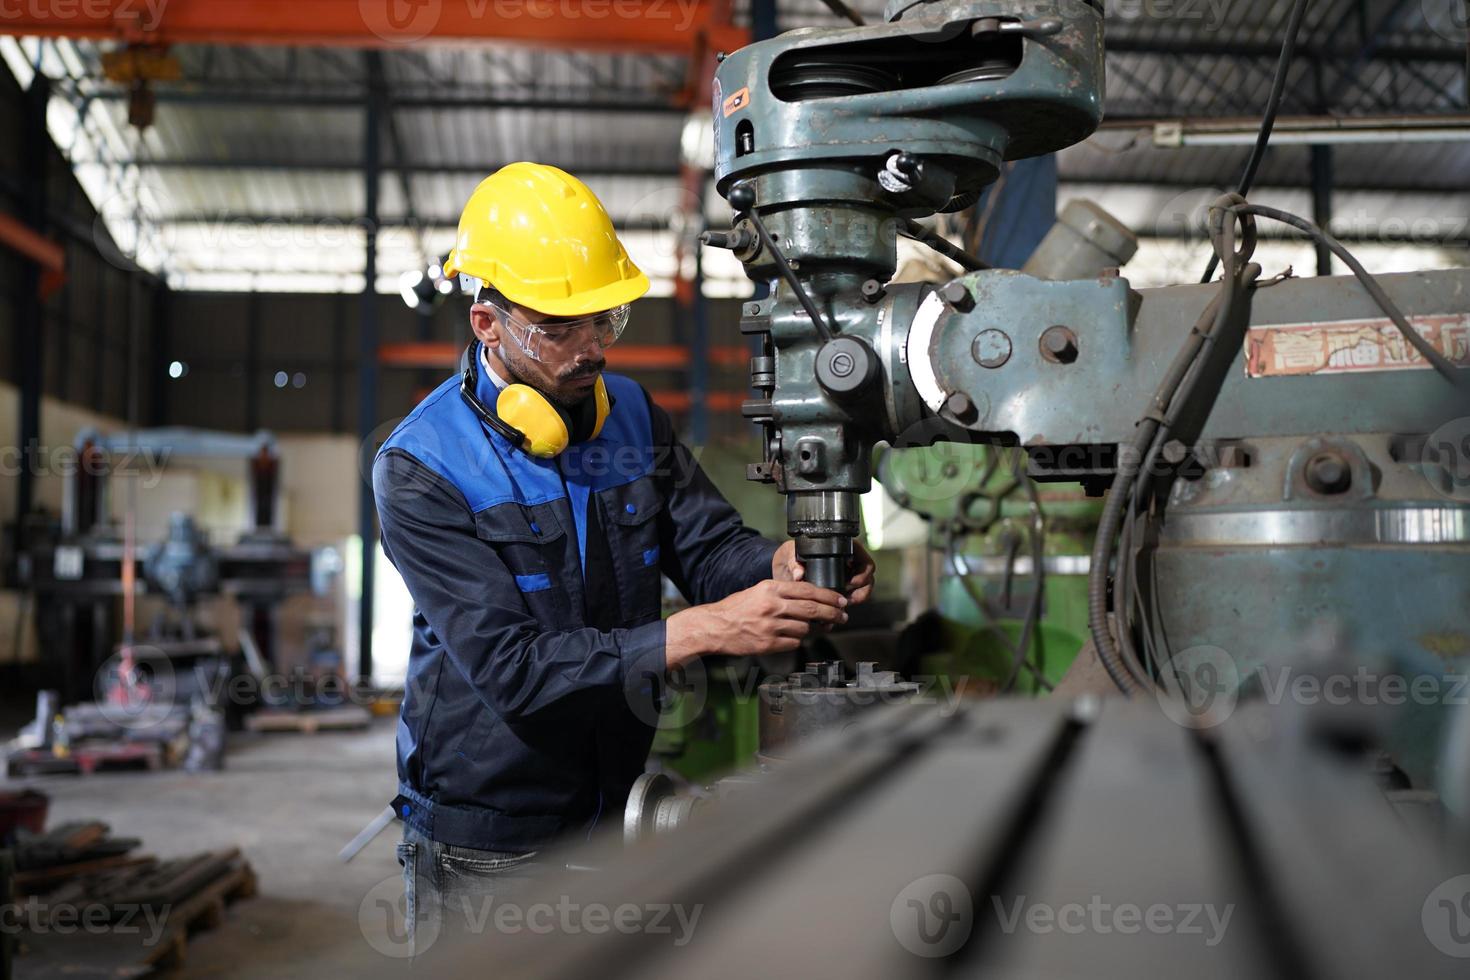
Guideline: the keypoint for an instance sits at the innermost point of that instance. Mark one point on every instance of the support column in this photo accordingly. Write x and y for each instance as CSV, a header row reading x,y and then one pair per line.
x,y
367,359
30,342
252,362
1322,201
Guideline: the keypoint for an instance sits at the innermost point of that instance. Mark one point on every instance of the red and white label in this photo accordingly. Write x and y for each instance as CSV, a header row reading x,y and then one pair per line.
x,y
1352,346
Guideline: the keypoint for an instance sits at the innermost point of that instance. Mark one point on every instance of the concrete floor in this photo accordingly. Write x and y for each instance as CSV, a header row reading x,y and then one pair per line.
x,y
289,802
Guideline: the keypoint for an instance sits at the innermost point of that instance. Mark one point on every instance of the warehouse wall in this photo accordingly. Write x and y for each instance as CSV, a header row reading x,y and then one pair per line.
x,y
102,317
235,344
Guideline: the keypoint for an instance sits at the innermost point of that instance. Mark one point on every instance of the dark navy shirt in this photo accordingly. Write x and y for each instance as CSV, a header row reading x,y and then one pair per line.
x,y
538,646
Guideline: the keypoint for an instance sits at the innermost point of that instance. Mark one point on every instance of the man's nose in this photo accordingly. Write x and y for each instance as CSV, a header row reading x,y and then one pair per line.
x,y
591,345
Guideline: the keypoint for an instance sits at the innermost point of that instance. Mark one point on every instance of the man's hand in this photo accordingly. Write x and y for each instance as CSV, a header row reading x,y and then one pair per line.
x,y
786,568
771,617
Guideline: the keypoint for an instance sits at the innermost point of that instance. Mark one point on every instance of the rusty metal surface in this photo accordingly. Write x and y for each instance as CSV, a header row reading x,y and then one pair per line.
x,y
1097,398
1065,839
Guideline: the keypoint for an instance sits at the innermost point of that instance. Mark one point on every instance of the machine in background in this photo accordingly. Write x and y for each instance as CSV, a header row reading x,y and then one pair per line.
x,y
81,574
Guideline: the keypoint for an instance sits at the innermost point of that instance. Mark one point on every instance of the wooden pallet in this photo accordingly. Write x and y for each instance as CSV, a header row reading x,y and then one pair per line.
x,y
117,955
87,759
346,718
43,879
203,910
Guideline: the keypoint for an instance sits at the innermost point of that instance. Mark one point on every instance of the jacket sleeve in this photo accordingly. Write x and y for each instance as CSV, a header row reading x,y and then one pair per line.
x,y
469,598
707,551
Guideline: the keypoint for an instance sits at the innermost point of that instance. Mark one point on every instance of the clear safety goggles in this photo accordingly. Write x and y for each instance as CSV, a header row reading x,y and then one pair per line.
x,y
563,339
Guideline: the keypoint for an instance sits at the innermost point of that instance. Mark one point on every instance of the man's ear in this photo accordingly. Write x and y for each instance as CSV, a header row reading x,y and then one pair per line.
x,y
486,325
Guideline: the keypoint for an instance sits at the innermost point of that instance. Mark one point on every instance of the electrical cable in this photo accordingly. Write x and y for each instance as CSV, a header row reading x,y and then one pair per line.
x,y
1130,461
1038,579
910,228
788,274
961,572
1131,488
843,10
1268,118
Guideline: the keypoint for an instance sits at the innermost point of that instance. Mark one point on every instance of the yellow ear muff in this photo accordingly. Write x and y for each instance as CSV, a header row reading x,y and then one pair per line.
x,y
542,425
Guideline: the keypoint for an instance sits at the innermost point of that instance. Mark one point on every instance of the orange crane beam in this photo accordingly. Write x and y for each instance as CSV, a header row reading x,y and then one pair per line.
x,y
639,25
47,254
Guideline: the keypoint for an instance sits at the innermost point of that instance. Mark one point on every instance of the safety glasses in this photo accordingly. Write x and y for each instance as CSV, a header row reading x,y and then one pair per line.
x,y
563,339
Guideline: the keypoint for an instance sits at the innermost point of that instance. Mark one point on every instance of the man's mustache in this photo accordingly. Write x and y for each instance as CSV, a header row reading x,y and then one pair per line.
x,y
589,371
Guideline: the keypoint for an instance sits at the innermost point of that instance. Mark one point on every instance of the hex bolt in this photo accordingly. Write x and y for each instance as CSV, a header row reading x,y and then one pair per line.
x,y
957,295
961,407
1059,344
1328,473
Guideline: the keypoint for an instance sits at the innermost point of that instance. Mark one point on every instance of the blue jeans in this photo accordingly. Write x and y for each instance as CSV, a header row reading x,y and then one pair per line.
x,y
450,890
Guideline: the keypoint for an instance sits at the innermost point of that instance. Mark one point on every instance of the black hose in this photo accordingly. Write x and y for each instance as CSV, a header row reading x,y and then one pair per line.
x,y
1129,464
910,228
789,275
951,558
1268,118
1038,578
843,10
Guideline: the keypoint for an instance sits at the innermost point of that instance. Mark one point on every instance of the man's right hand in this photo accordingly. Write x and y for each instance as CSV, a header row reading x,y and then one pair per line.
x,y
771,617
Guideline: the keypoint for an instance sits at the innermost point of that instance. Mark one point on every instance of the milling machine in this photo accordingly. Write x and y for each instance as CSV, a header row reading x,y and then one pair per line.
x,y
1289,476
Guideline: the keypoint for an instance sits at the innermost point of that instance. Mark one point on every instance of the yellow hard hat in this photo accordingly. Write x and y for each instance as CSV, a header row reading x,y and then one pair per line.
x,y
543,239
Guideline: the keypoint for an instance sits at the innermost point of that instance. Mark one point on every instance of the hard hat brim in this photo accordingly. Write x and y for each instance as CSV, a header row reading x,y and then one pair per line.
x,y
581,304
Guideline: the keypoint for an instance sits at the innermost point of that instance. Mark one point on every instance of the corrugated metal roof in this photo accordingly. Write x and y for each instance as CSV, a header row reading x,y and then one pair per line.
x,y
295,116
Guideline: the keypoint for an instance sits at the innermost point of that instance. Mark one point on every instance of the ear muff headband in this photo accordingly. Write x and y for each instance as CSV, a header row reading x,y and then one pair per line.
x,y
530,420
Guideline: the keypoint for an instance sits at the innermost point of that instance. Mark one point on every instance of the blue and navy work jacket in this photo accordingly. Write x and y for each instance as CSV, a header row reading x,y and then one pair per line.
x,y
538,644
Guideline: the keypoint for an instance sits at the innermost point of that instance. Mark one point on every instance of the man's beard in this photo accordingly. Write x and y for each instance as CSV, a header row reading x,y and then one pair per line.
x,y
586,371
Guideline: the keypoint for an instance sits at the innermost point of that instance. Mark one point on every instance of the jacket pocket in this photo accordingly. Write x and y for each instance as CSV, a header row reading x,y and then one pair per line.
x,y
631,513
469,861
470,745
529,542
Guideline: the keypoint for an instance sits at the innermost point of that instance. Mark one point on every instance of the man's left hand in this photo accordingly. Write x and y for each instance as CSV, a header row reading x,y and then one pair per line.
x,y
786,568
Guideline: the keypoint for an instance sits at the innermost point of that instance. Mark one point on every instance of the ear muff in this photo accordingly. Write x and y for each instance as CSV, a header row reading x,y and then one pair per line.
x,y
547,429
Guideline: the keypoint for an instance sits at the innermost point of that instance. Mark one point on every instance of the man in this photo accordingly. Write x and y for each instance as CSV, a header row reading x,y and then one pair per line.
x,y
531,504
